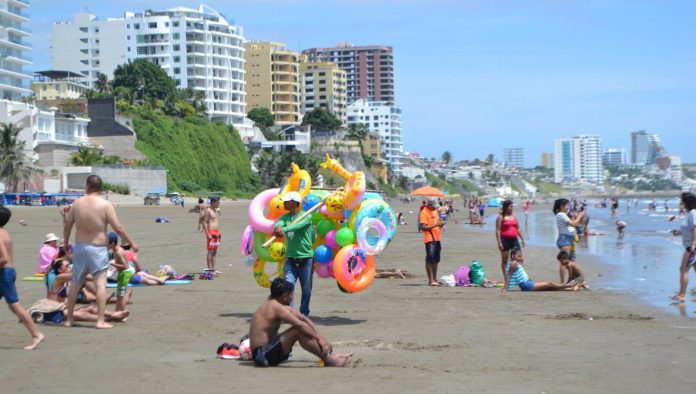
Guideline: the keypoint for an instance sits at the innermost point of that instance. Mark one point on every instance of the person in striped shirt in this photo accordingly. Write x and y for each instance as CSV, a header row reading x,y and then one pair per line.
x,y
515,275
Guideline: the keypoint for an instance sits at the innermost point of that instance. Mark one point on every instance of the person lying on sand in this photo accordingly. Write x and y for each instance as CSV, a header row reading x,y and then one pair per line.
x,y
515,275
576,276
392,273
269,348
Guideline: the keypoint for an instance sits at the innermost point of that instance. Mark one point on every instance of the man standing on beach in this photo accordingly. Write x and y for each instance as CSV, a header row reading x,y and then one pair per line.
x,y
91,215
211,228
298,233
431,224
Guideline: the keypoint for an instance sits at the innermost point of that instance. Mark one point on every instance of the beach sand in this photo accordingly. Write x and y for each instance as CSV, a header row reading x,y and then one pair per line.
x,y
406,336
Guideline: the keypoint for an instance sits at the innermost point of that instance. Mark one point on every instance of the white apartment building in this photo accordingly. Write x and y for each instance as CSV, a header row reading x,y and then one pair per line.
x,y
513,157
198,48
578,159
384,120
14,81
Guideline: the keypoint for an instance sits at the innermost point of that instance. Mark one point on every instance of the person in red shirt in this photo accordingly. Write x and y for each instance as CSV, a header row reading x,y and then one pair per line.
x,y
431,225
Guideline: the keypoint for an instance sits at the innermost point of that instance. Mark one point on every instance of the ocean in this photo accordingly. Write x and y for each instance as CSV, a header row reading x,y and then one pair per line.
x,y
645,262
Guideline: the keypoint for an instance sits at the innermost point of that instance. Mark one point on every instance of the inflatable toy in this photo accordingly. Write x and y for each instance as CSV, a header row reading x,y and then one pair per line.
x,y
345,237
354,269
277,251
376,209
263,253
260,275
255,214
322,254
247,240
300,181
330,239
372,236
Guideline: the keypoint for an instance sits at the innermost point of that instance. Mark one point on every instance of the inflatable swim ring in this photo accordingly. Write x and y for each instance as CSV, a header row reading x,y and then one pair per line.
x,y
377,209
372,236
257,220
354,269
247,241
263,253
260,275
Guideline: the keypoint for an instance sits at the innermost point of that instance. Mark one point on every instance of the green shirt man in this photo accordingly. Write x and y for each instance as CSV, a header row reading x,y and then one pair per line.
x,y
298,236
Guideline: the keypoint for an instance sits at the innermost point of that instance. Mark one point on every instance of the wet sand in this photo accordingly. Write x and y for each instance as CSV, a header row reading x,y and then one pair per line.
x,y
406,336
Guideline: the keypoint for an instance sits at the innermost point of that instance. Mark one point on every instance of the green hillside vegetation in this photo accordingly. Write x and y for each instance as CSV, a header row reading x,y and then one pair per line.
x,y
452,186
199,155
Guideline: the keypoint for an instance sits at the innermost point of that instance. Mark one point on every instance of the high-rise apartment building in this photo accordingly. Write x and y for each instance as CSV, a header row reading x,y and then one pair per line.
x,y
645,148
513,157
370,69
198,48
14,81
385,120
578,159
324,87
614,157
547,160
273,80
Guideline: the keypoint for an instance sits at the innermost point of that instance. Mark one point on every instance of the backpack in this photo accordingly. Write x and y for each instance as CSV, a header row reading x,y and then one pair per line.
x,y
476,272
461,276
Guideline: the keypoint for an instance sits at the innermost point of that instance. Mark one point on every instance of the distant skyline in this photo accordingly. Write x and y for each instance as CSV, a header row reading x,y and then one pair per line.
x,y
481,76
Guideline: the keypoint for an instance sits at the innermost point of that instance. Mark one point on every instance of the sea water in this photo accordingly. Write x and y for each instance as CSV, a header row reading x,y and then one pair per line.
x,y
645,262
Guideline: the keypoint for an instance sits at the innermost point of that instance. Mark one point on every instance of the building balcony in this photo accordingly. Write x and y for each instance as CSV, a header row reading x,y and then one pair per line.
x,y
16,44
13,73
13,13
19,59
20,31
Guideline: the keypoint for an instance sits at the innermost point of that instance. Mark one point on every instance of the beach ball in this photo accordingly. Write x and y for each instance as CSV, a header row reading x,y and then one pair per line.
x,y
324,226
245,350
331,239
323,254
322,271
277,251
310,201
345,237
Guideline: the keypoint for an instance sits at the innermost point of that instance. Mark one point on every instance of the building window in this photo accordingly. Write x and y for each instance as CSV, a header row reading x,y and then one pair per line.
x,y
166,24
322,89
177,70
152,25
136,26
176,59
177,47
321,74
175,23
175,36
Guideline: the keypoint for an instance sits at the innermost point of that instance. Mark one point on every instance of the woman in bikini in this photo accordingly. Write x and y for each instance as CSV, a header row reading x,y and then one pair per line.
x,y
507,233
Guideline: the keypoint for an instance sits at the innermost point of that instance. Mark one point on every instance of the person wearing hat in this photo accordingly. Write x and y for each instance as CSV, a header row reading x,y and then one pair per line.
x,y
431,225
211,228
299,263
47,253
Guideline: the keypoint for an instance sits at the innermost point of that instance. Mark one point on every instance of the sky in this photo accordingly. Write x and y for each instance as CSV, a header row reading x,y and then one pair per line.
x,y
475,77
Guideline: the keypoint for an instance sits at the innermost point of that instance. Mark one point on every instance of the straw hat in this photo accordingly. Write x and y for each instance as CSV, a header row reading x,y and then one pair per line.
x,y
51,237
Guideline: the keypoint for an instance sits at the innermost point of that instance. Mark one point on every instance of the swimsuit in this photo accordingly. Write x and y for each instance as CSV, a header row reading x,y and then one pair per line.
x,y
88,259
214,240
270,354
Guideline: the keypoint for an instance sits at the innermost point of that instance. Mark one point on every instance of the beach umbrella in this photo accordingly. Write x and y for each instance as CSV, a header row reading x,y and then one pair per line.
x,y
427,191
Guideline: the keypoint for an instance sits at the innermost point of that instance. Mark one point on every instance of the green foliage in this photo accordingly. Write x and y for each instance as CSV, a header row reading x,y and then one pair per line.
x,y
146,80
452,186
15,166
261,116
120,188
274,168
357,131
89,157
446,157
322,120
198,154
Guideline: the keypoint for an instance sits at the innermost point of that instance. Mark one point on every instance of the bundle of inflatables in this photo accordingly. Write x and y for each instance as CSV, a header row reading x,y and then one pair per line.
x,y
350,227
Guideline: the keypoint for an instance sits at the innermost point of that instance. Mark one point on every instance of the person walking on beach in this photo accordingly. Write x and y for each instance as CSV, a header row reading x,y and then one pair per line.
x,y
201,213
566,229
211,228
270,348
507,233
299,263
688,233
91,215
8,276
431,224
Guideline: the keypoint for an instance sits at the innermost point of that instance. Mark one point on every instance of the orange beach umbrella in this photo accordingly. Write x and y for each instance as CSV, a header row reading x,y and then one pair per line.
x,y
427,191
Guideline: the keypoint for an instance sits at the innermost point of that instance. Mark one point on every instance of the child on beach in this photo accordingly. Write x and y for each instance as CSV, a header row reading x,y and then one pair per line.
x,y
8,275
515,275
120,262
576,276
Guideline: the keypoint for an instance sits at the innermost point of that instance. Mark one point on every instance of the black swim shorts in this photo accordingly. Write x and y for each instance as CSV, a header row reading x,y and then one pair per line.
x,y
432,252
510,243
270,354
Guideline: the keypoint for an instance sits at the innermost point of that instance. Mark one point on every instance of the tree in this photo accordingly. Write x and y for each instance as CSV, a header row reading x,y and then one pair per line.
x,y
322,120
274,168
489,159
446,157
262,117
101,84
146,80
85,157
357,131
14,164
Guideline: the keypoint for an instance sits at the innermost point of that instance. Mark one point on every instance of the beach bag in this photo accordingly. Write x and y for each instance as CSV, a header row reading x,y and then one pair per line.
x,y
476,273
461,276
448,280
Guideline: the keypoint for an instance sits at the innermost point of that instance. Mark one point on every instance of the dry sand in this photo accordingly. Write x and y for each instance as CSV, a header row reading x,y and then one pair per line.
x,y
407,337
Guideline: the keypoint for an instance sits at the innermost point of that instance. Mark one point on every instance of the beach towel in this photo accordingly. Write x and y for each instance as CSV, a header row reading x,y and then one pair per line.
x,y
43,307
169,282
476,272
461,276
33,278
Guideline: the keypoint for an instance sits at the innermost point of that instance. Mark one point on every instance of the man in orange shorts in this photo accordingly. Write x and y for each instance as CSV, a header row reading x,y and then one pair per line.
x,y
211,228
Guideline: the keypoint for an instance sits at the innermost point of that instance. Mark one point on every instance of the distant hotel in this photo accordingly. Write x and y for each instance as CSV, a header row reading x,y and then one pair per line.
x,y
199,49
385,121
614,157
578,159
645,148
513,157
369,69
547,160
14,81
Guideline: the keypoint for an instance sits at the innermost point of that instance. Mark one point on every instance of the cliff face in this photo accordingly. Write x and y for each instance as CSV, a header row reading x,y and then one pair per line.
x,y
347,152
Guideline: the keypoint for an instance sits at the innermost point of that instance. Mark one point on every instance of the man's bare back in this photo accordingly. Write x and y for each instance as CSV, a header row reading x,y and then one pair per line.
x,y
91,216
265,323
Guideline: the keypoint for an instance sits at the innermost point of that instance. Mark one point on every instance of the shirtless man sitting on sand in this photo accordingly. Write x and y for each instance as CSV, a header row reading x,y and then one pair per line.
x,y
269,348
91,215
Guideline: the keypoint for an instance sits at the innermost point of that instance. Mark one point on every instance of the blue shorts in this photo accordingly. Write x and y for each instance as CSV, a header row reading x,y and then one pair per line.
x,y
527,286
7,285
565,240
136,279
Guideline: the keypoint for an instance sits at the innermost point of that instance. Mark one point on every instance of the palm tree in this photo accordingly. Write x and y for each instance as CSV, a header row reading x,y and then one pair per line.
x,y
14,164
85,157
446,157
101,84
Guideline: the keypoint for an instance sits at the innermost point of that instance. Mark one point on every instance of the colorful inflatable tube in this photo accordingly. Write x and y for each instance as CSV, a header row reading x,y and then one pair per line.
x,y
354,269
255,214
261,277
